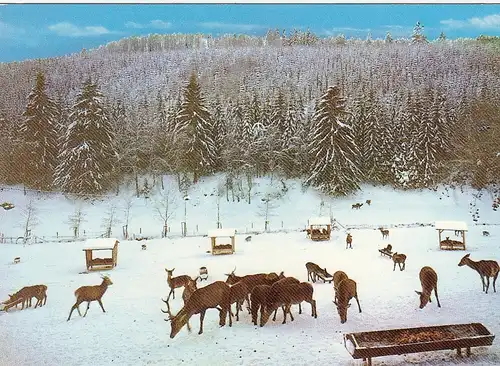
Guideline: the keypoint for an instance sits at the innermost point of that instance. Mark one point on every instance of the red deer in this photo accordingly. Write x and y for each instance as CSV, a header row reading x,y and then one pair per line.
x,y
385,232
485,268
313,270
176,282
400,260
345,290
348,241
285,296
253,280
209,297
357,206
428,280
27,293
189,289
258,300
239,293
368,202
338,277
89,294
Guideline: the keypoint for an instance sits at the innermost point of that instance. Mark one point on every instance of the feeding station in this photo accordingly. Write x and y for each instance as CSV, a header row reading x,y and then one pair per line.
x,y
97,245
320,228
458,228
224,248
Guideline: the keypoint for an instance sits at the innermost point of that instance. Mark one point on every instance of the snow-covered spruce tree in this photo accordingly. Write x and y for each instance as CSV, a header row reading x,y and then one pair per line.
x,y
88,153
38,133
331,147
195,124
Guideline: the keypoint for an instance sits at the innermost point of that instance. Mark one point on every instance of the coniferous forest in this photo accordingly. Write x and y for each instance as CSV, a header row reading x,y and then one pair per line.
x,y
334,112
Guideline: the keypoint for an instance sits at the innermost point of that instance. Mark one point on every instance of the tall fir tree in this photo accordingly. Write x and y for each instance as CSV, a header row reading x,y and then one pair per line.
x,y
88,153
196,126
38,133
332,149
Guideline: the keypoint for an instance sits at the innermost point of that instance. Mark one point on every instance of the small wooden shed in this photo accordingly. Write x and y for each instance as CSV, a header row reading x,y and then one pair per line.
x,y
225,247
96,245
458,228
320,228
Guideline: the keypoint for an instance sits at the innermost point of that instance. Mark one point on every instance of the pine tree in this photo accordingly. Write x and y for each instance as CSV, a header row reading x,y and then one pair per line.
x,y
195,124
332,148
88,153
39,135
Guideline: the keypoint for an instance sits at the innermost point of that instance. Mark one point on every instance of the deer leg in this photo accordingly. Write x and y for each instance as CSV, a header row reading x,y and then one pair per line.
x,y
494,281
482,281
437,298
313,308
88,306
254,310
202,316
275,312
487,283
288,309
300,309
45,300
248,304
170,293
359,306
238,310
77,307
102,307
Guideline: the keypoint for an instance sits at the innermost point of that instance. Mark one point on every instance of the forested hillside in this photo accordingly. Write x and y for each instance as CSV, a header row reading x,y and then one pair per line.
x,y
333,112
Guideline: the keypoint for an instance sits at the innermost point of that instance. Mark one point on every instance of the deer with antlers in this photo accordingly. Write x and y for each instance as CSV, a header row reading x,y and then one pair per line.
x,y
428,280
176,282
485,268
345,290
212,296
400,260
254,279
189,289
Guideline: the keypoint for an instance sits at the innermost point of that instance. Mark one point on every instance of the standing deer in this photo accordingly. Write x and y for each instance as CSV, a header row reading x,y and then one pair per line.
x,y
485,268
176,282
189,289
89,294
399,259
258,299
238,294
345,290
428,280
338,277
313,269
253,280
385,232
348,241
209,297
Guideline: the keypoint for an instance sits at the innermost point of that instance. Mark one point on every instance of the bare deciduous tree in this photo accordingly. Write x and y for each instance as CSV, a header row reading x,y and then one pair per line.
x,y
75,220
165,205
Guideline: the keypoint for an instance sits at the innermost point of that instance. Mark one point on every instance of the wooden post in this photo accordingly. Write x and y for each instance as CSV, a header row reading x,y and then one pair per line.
x,y
232,243
468,351
463,238
439,231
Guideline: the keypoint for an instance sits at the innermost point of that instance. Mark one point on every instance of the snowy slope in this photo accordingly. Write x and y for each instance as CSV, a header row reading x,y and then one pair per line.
x,y
133,332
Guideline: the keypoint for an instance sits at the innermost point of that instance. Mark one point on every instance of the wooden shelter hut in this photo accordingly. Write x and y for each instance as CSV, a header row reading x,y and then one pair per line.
x,y
222,248
458,228
320,228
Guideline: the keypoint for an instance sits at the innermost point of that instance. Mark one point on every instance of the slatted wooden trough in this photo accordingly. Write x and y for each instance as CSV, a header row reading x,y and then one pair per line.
x,y
459,227
320,228
366,345
98,245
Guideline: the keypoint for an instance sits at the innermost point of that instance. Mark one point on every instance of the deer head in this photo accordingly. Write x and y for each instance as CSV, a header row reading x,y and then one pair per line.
x,y
106,280
176,321
424,298
230,277
342,310
464,260
265,314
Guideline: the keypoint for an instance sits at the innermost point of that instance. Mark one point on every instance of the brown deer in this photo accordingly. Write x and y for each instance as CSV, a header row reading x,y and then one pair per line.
x,y
282,283
368,202
209,297
338,277
258,300
428,280
357,206
89,294
348,241
485,268
285,296
27,293
189,289
253,280
345,290
385,232
176,282
239,293
313,270
400,260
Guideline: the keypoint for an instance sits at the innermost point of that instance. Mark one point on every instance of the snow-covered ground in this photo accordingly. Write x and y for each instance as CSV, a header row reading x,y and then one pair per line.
x,y
133,332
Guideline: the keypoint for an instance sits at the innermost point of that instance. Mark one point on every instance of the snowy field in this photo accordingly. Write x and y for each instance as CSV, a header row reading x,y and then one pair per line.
x,y
133,332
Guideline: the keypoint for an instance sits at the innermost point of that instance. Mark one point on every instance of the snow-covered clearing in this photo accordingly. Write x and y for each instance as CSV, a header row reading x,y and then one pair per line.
x,y
133,332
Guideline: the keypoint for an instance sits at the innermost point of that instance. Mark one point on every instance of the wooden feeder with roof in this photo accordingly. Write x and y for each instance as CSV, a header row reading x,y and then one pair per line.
x,y
226,235
97,245
458,227
320,228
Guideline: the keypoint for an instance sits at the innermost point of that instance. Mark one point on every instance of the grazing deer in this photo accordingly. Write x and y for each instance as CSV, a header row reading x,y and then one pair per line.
x,y
428,280
189,289
89,294
176,282
348,241
368,202
338,277
27,293
400,260
286,296
239,293
258,300
385,232
357,206
313,270
485,268
209,297
253,280
345,290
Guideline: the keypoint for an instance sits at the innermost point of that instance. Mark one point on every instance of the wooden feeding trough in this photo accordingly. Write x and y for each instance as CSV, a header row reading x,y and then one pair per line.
x,y
458,228
97,245
367,345
222,248
320,228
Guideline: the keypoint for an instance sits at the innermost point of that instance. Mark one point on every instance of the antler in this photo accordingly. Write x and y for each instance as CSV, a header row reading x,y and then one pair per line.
x,y
230,274
170,316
